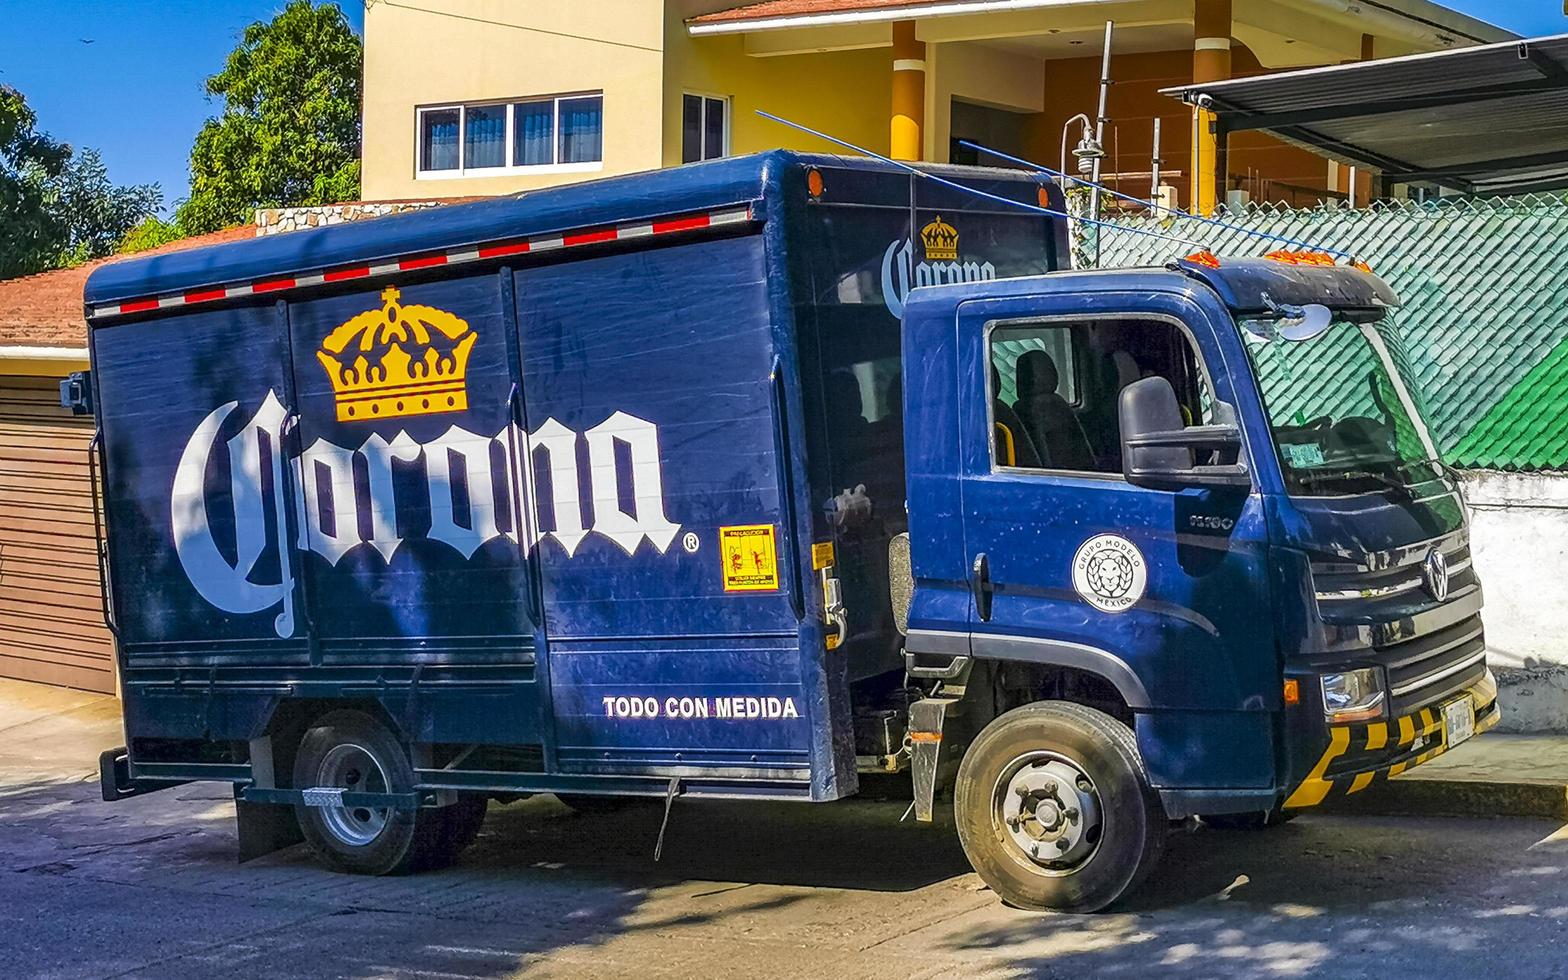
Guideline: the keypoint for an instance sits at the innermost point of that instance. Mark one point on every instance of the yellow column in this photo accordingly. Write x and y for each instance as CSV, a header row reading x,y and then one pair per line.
x,y
909,93
1211,24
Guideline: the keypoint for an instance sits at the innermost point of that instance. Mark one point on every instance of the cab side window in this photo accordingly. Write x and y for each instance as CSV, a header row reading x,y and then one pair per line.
x,y
1055,386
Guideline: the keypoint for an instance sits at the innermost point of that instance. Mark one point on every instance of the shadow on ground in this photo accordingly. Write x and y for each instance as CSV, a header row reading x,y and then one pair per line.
x,y
149,887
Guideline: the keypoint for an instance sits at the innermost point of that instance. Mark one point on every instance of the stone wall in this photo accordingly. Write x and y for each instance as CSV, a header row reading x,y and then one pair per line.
x,y
273,221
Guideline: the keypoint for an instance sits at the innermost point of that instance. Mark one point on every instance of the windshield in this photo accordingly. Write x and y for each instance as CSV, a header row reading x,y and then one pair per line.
x,y
1340,400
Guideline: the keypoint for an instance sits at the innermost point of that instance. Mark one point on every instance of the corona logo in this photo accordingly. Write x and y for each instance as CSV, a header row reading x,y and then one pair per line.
x,y
528,487
398,360
901,273
940,240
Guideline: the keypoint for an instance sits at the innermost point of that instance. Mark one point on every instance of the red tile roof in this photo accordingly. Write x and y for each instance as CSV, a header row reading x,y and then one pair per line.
x,y
800,8
45,310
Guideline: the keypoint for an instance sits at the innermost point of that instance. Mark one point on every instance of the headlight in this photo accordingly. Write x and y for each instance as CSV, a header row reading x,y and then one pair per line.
x,y
1355,695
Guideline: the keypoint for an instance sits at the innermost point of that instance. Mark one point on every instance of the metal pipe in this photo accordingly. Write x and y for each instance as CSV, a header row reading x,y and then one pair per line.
x,y
1065,127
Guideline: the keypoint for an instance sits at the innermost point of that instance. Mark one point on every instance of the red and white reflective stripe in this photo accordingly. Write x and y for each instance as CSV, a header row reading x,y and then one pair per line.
x,y
495,250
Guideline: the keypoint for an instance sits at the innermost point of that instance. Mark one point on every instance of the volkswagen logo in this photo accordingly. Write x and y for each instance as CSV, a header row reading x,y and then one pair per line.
x,y
1434,575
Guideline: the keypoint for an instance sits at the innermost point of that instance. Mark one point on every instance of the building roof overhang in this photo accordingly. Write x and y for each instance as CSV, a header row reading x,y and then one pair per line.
x,y
1444,26
1484,120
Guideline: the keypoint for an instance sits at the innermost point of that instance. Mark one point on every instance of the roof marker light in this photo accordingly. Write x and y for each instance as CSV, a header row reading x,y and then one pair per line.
x,y
1288,257
1205,258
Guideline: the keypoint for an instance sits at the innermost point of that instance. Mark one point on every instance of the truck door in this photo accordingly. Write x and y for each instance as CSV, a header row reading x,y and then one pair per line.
x,y
661,524
1163,594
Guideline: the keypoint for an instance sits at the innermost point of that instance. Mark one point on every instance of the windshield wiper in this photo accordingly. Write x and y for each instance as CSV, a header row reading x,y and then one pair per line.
x,y
1381,479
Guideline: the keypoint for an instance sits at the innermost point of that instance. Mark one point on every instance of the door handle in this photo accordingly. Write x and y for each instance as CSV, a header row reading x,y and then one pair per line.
x,y
980,585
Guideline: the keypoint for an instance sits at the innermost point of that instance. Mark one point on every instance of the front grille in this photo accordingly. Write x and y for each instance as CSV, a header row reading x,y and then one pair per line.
x,y
1431,666
1339,586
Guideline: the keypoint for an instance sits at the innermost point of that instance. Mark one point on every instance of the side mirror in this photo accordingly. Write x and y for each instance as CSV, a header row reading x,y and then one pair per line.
x,y
1158,449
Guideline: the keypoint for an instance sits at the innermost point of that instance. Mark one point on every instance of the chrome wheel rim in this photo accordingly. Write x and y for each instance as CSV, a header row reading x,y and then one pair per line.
x,y
354,769
1047,812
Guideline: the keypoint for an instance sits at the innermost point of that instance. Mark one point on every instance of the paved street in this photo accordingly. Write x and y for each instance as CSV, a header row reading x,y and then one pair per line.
x,y
149,888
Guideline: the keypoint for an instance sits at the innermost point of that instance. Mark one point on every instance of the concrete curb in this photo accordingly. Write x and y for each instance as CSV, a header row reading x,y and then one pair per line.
x,y
1436,796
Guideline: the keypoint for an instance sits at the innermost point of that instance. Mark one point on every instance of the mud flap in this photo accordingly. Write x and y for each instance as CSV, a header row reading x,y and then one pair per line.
x,y
926,719
264,827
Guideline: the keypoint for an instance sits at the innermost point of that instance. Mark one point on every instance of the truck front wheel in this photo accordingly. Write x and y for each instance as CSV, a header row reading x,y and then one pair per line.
x,y
1054,810
349,750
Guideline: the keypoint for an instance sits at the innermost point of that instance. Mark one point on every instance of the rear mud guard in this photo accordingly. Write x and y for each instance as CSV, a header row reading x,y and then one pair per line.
x,y
116,782
263,828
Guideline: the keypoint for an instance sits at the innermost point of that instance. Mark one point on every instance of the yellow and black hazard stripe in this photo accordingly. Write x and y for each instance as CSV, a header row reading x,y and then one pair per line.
x,y
1359,755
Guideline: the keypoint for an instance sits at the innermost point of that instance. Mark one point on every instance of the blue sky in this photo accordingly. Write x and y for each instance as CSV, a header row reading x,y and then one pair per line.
x,y
135,92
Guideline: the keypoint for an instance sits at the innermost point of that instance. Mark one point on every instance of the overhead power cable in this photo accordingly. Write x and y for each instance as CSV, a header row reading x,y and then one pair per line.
x,y
955,185
1154,206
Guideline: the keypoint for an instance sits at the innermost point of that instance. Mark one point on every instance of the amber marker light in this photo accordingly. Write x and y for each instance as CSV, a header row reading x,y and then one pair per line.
x,y
1287,257
1204,258
814,183
1292,692
1043,196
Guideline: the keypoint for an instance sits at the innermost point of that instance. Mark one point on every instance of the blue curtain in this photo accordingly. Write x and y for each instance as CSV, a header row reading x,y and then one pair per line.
x,y
533,136
438,149
484,137
582,130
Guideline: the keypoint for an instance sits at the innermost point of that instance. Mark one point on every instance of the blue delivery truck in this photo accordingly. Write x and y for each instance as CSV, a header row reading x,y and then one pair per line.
x,y
747,478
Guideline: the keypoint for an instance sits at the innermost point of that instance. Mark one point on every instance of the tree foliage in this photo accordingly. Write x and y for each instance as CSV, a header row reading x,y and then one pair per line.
x,y
58,206
152,232
289,130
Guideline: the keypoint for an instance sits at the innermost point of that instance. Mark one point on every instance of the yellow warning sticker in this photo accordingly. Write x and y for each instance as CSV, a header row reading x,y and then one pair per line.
x,y
750,556
821,555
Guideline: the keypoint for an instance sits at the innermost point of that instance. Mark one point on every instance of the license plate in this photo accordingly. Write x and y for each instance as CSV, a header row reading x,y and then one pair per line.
x,y
1458,722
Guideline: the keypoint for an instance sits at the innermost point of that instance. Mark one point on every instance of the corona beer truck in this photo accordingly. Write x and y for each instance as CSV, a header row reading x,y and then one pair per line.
x,y
677,484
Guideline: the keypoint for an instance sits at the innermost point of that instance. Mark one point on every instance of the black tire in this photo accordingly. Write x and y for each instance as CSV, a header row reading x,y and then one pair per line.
x,y
1132,824
1260,820
348,748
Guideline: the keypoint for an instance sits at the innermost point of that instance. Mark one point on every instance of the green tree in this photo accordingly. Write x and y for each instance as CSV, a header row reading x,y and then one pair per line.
x,y
152,232
58,206
98,214
289,130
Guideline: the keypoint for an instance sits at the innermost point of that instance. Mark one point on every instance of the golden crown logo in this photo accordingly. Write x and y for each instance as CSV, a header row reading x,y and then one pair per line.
x,y
940,240
384,364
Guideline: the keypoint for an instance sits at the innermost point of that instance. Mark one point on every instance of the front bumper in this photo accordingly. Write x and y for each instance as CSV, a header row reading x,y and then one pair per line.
x,y
1356,756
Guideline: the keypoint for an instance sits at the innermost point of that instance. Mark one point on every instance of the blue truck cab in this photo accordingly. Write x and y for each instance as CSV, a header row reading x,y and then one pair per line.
x,y
746,478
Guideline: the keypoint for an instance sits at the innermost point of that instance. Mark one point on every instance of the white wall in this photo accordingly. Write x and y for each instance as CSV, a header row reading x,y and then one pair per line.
x,y
1520,544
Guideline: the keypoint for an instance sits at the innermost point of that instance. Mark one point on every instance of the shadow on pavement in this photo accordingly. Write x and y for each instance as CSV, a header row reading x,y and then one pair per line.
x,y
149,887
1320,897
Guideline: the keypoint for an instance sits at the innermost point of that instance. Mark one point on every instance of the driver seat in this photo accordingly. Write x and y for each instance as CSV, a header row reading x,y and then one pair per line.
x,y
1052,424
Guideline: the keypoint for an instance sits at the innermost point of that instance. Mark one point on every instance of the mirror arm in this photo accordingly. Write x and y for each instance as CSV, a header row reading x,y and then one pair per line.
x,y
1227,475
1193,436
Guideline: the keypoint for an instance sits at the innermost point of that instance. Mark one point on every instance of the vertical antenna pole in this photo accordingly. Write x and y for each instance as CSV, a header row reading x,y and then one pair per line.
x,y
1099,125
1154,192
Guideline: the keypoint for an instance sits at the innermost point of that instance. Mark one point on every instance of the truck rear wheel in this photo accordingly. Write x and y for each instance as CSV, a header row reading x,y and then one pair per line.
x,y
1054,810
350,750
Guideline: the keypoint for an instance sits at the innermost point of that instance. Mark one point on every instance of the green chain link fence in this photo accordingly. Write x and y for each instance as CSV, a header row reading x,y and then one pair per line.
x,y
1485,320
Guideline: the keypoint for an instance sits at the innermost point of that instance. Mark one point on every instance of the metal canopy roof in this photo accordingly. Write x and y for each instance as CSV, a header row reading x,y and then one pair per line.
x,y
1484,120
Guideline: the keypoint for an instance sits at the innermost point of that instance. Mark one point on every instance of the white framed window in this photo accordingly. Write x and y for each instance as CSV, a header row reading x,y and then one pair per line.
x,y
705,127
550,133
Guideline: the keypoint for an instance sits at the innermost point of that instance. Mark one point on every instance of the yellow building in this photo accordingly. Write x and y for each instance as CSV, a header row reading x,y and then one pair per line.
x,y
480,97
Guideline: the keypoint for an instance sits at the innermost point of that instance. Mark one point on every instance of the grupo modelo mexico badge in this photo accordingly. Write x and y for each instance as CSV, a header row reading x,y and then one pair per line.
x,y
1109,573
